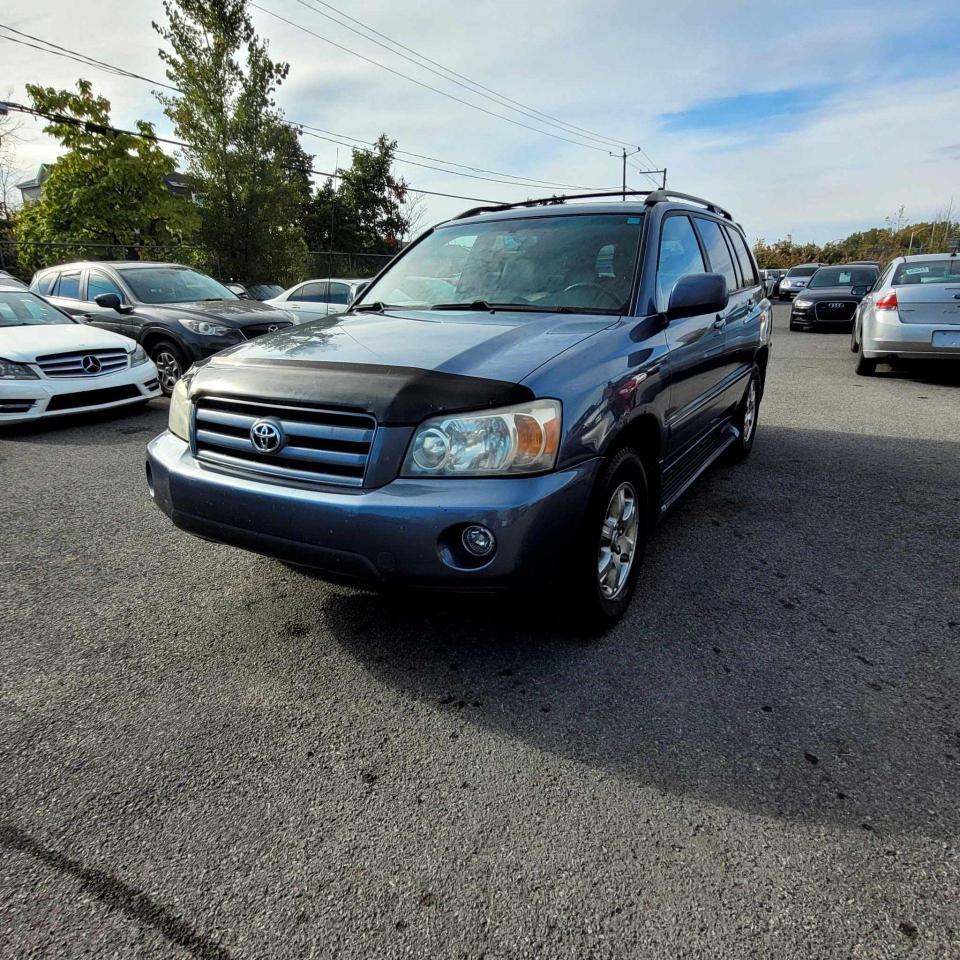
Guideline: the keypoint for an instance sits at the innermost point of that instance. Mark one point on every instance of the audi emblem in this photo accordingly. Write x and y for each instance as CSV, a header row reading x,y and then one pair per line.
x,y
266,436
91,364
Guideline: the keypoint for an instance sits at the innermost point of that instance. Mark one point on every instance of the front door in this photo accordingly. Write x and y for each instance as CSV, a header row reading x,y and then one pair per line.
x,y
98,282
695,344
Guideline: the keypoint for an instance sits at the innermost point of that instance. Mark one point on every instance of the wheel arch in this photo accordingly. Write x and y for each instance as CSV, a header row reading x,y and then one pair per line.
x,y
645,435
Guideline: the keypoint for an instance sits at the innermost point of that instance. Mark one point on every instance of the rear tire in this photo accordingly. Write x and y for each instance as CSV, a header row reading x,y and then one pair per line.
x,y
171,364
866,367
746,419
611,544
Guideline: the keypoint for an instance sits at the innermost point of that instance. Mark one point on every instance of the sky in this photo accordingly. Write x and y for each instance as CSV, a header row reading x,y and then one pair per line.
x,y
812,120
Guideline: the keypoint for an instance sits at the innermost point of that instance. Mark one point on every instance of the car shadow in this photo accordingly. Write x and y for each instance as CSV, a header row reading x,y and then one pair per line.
x,y
791,650
118,425
944,373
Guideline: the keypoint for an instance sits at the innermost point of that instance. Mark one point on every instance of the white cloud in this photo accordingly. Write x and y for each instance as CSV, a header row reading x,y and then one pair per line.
x,y
607,65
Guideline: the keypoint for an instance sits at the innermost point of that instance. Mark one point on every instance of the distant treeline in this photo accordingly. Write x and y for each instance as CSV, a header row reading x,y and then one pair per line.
x,y
879,243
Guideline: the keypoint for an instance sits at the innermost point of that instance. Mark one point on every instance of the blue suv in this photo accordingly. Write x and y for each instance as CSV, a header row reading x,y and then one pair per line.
x,y
518,396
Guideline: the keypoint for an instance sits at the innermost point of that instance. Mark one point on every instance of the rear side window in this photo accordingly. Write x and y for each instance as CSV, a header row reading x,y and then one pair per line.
x,y
717,252
679,256
311,293
750,278
69,286
45,284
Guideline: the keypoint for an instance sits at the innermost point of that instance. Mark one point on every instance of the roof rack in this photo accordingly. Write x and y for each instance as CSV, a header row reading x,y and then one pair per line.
x,y
651,197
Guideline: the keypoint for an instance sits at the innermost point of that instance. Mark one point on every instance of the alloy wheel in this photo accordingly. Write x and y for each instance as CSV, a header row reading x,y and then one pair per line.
x,y
168,367
618,541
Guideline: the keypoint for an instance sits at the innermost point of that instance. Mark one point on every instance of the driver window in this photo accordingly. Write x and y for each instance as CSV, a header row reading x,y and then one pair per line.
x,y
680,256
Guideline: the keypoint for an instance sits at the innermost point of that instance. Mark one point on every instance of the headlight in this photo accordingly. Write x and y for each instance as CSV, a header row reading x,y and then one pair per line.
x,y
205,328
179,419
802,304
138,356
15,371
521,439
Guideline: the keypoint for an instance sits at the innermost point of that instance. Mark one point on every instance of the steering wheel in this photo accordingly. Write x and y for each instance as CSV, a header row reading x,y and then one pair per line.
x,y
593,286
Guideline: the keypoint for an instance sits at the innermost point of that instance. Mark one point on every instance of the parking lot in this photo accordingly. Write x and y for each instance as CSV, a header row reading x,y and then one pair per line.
x,y
205,753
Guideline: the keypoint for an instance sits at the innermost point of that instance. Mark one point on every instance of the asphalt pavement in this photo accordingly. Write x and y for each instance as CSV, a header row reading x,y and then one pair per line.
x,y
204,753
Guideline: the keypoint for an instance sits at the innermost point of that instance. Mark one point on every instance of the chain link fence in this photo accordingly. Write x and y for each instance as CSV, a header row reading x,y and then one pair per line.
x,y
22,258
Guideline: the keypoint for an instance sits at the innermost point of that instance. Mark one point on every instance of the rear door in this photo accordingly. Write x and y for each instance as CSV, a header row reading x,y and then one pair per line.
x,y
745,314
66,293
695,344
308,301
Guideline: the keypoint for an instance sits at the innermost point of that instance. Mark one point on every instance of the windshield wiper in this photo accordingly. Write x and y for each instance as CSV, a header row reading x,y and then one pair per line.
x,y
486,305
375,307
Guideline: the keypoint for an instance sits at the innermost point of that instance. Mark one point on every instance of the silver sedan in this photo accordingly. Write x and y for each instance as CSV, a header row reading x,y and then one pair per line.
x,y
913,312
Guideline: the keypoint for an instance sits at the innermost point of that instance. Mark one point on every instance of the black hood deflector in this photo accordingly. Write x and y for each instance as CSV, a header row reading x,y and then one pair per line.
x,y
394,395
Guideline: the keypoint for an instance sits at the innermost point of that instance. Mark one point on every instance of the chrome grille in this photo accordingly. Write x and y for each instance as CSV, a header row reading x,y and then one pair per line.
x,y
319,446
85,363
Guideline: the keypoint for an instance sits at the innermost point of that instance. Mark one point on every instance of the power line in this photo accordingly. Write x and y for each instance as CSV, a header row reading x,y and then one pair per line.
x,y
106,128
114,70
425,86
458,78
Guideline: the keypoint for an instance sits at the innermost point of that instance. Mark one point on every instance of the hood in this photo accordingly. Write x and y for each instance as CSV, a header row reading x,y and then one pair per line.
x,y
503,346
26,343
232,313
832,293
399,367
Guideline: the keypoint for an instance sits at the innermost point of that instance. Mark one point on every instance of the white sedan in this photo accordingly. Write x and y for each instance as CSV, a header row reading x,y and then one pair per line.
x,y
313,299
51,365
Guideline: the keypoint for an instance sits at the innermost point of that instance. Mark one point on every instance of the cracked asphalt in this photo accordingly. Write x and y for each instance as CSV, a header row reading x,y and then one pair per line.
x,y
204,753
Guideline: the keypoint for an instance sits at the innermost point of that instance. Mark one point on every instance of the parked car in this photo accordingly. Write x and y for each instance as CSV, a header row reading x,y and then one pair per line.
x,y
771,280
532,415
832,295
313,299
9,280
795,279
50,365
255,291
178,314
913,312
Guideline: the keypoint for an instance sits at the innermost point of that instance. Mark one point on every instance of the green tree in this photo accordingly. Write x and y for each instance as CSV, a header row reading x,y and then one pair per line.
x,y
365,213
108,188
251,172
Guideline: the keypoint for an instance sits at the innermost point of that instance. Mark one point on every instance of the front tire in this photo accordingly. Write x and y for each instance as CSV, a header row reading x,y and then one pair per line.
x,y
611,544
170,362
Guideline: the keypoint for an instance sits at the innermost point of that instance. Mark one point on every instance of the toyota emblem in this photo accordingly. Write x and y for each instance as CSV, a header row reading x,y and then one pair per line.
x,y
273,328
266,436
91,364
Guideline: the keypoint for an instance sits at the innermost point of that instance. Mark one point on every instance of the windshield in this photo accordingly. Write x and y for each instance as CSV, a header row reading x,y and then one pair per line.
x,y
173,285
264,291
22,309
946,270
844,277
585,263
801,271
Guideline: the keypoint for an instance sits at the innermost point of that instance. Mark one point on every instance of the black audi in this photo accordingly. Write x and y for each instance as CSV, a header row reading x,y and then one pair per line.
x,y
832,295
177,314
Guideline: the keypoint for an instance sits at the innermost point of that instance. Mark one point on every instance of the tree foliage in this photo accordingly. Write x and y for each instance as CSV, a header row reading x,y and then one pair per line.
x,y
366,212
878,243
251,172
107,188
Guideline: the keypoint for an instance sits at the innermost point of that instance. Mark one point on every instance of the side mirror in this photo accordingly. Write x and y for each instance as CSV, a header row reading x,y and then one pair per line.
x,y
698,293
109,301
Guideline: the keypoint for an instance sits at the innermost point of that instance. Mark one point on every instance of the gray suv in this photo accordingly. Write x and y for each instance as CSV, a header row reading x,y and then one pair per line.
x,y
518,396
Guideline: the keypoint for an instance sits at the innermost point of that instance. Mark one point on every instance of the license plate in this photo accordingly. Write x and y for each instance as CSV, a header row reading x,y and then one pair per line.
x,y
946,338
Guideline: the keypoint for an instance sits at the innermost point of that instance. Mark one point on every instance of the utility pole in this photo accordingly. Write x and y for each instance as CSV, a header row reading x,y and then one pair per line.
x,y
623,157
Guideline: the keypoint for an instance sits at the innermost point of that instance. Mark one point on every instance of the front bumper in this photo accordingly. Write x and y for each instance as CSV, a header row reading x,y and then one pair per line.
x,y
885,337
395,533
22,401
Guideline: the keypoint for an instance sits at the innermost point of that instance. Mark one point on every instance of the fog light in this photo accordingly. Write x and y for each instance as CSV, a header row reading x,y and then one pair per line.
x,y
478,541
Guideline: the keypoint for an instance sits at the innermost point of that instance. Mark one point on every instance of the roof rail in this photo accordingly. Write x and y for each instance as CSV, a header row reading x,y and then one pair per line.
x,y
651,197
549,201
659,196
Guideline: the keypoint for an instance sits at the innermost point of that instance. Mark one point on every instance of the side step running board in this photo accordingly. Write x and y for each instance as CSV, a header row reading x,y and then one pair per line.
x,y
682,474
